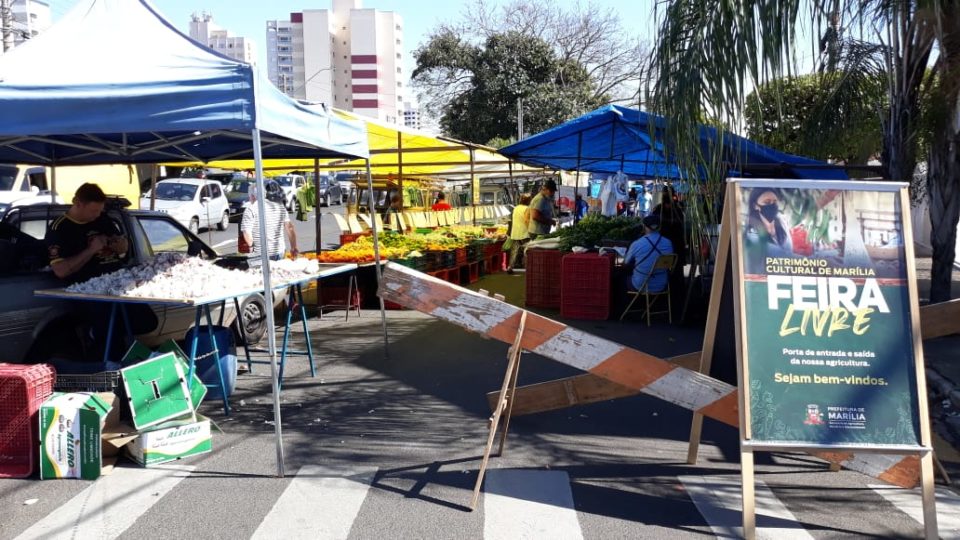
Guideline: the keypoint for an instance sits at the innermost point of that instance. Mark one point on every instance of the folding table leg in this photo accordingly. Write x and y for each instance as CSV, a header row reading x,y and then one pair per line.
x,y
243,334
193,347
286,335
128,329
216,359
306,332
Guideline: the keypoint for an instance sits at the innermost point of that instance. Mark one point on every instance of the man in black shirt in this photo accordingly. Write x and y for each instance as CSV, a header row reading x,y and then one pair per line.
x,y
83,243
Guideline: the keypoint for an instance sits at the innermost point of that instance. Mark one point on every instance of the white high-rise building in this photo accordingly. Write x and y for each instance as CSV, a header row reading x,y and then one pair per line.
x,y
411,115
29,18
347,56
204,31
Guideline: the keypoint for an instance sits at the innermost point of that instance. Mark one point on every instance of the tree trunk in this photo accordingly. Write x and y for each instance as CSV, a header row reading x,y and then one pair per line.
x,y
943,185
899,154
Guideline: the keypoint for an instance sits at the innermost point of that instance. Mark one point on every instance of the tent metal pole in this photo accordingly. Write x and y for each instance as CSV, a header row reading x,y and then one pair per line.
x,y
399,173
376,257
153,186
474,187
318,221
53,184
268,297
576,181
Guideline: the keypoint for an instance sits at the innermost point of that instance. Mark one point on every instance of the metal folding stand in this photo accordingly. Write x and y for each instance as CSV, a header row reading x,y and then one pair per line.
x,y
294,302
205,310
113,319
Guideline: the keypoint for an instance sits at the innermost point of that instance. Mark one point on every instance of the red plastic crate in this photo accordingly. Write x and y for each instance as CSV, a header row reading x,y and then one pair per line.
x,y
469,273
391,305
23,388
337,296
461,256
585,291
543,270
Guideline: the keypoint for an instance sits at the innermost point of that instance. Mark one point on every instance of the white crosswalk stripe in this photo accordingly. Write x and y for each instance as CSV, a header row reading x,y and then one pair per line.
x,y
719,500
325,502
320,503
909,502
521,504
110,505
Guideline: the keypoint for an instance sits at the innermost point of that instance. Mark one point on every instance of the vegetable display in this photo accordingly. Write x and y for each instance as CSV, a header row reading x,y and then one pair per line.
x,y
592,230
398,246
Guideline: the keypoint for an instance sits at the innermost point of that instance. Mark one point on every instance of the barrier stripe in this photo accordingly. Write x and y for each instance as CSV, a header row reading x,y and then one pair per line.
x,y
614,362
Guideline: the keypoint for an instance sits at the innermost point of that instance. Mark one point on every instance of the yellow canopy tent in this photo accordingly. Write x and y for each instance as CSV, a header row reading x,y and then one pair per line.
x,y
397,151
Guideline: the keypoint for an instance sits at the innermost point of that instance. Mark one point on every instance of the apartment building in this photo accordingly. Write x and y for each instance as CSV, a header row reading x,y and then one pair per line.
x,y
28,19
346,56
204,30
411,116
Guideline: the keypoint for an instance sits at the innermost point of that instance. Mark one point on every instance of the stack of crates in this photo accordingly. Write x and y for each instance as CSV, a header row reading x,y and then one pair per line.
x,y
586,291
543,278
23,388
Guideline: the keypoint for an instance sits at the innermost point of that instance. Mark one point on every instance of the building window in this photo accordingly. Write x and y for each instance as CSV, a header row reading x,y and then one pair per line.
x,y
398,56
398,42
399,70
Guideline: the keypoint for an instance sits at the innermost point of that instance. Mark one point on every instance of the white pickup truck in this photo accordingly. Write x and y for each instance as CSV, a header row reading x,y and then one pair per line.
x,y
20,186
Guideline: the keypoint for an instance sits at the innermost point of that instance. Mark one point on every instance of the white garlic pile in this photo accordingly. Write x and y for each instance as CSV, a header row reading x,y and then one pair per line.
x,y
177,276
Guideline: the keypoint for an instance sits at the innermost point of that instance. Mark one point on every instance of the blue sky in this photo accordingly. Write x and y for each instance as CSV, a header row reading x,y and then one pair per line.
x,y
248,17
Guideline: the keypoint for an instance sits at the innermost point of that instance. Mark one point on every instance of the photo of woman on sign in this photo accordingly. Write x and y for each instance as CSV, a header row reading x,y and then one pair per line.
x,y
790,223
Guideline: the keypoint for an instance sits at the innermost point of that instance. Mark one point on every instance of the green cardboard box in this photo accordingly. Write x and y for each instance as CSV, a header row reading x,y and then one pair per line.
x,y
138,352
156,390
70,431
171,441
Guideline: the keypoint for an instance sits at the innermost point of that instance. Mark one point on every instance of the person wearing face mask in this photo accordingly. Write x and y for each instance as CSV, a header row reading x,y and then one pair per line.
x,y
765,234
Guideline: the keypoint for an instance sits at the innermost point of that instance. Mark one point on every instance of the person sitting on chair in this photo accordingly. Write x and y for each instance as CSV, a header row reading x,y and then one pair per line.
x,y
643,253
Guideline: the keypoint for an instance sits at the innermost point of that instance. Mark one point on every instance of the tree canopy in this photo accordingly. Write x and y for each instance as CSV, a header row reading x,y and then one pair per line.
x,y
488,80
802,115
593,61
709,54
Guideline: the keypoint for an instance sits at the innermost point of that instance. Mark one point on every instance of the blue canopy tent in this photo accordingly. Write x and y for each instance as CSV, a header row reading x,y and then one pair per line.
x,y
114,82
614,138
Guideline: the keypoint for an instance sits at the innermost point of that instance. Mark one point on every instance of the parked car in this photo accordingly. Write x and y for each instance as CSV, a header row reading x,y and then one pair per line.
x,y
238,195
331,191
36,329
290,183
194,202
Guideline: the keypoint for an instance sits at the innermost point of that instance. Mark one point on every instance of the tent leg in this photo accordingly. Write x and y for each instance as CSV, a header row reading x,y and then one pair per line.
x,y
268,296
376,256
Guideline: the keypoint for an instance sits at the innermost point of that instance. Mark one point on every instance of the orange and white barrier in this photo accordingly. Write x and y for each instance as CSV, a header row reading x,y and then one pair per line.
x,y
617,363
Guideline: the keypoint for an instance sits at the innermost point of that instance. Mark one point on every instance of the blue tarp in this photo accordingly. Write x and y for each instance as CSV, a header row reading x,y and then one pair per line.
x,y
113,82
615,138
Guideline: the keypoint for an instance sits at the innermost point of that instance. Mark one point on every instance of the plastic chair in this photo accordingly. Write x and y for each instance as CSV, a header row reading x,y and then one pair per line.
x,y
663,263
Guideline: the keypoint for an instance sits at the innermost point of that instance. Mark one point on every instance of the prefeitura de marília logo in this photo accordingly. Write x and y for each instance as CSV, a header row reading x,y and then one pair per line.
x,y
814,416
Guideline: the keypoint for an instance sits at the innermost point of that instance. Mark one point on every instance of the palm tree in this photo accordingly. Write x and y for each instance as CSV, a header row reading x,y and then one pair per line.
x,y
710,54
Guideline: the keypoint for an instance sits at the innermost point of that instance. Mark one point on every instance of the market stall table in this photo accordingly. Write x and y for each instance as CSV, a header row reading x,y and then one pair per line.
x,y
202,309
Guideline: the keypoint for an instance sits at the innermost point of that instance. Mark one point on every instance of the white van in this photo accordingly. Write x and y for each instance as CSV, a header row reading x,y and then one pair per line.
x,y
25,184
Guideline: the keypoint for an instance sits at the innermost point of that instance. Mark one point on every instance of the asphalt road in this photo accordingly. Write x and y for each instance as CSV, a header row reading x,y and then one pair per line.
x,y
388,447
225,242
